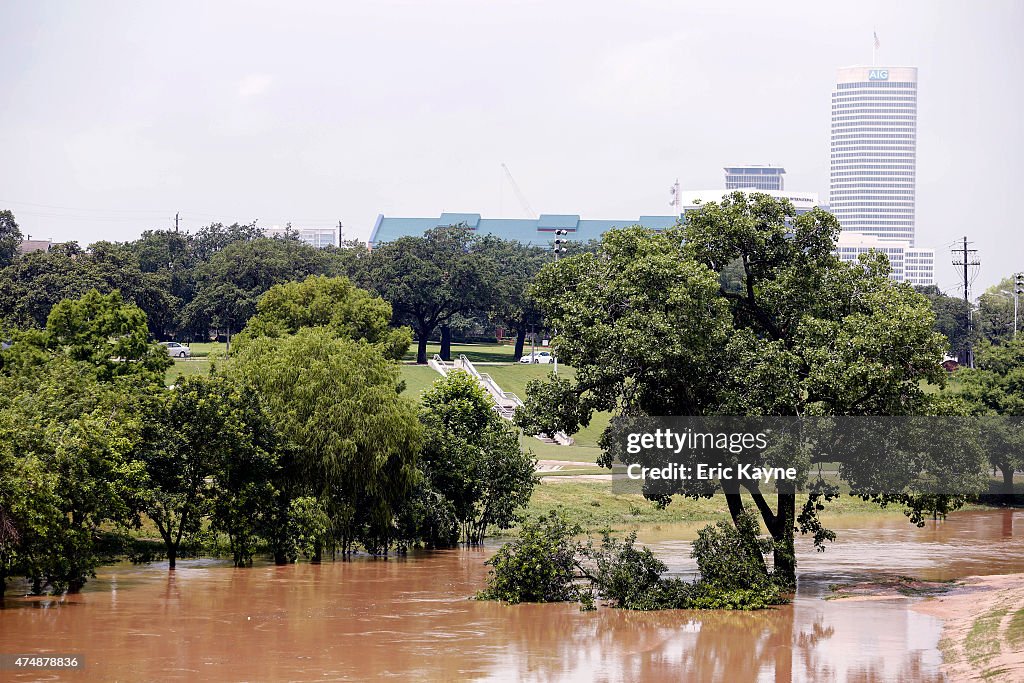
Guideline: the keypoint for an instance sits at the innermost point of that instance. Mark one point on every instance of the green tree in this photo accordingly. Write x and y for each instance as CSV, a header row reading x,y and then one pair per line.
x,y
995,313
10,238
431,279
70,443
198,427
32,285
336,404
743,311
995,388
232,281
332,303
107,334
515,266
472,457
952,315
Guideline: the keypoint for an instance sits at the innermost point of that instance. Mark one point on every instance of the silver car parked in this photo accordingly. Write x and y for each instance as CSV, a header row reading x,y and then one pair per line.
x,y
176,350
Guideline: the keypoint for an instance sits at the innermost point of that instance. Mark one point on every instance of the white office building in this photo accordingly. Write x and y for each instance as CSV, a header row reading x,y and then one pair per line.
x,y
802,201
874,150
913,265
314,237
755,177
872,188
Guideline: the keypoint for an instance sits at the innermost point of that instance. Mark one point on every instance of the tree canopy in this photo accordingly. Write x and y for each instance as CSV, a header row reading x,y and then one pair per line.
x,y
332,303
431,279
744,310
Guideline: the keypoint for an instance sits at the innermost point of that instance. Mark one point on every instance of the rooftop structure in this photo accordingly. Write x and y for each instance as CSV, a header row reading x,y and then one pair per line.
x,y
756,177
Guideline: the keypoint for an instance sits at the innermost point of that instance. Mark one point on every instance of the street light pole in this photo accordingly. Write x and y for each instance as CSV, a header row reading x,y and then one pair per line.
x,y
559,250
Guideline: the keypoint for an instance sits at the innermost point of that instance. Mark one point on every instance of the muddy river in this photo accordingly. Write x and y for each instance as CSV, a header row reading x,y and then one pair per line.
x,y
410,619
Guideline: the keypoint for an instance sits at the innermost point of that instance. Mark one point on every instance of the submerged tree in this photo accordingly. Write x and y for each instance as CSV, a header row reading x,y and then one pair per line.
x,y
194,433
472,457
352,437
744,310
996,389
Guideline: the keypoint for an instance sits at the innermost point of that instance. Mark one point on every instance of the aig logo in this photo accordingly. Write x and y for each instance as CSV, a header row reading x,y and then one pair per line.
x,y
878,75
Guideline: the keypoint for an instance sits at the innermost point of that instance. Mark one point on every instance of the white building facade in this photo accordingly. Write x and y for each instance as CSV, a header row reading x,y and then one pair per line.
x,y
802,201
314,237
873,180
910,264
874,150
755,177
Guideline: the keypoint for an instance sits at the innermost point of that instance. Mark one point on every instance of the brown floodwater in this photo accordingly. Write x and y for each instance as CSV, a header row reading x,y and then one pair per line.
x,y
410,619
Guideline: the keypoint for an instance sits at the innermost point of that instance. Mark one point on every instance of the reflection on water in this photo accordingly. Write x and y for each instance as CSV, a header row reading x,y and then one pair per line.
x,y
411,619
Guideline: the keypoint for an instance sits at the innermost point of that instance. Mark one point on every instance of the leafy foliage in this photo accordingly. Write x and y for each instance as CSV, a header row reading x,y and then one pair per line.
x,y
539,566
353,438
332,303
547,564
431,279
743,310
472,458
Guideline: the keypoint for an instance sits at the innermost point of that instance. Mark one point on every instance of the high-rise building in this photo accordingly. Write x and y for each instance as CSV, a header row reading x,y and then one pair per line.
x,y
874,150
754,178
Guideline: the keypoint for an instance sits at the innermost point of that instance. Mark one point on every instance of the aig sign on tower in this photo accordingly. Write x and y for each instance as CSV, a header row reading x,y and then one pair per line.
x,y
878,75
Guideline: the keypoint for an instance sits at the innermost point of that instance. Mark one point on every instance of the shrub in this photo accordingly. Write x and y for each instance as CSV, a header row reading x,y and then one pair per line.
x,y
539,566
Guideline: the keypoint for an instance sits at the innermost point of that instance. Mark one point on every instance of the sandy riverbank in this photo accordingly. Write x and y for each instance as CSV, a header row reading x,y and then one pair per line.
x,y
983,628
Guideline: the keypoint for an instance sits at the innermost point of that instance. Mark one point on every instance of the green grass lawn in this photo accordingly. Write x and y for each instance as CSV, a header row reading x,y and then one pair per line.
x,y
186,368
206,349
418,379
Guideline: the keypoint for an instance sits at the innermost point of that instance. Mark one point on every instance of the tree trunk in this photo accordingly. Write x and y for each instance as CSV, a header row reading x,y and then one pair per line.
x,y
1007,470
735,501
172,556
421,349
446,343
785,550
520,343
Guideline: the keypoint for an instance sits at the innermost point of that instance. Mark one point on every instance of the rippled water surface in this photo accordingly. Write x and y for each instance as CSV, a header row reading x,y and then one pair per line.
x,y
410,619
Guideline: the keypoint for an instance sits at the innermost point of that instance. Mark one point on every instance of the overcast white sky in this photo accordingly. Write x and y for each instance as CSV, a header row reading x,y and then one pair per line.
x,y
115,115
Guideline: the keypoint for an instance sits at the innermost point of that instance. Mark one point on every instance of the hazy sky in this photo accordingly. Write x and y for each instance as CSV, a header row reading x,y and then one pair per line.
x,y
115,115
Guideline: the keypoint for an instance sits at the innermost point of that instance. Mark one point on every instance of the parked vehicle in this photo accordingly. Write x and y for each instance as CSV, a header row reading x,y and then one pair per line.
x,y
176,350
536,357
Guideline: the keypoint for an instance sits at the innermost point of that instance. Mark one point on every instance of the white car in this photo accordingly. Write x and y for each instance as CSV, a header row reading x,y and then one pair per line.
x,y
536,357
176,350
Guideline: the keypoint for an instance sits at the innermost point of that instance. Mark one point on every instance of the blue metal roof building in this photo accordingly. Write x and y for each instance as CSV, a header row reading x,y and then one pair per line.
x,y
538,231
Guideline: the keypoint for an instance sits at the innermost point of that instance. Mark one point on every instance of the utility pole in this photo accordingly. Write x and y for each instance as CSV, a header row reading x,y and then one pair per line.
x,y
1018,289
559,250
175,221
341,233
967,258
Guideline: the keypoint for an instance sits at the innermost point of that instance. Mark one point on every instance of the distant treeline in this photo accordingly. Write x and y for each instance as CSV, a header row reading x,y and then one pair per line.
x,y
195,286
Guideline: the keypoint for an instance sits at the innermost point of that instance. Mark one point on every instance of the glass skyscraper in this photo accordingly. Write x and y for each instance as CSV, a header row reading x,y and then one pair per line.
x,y
874,150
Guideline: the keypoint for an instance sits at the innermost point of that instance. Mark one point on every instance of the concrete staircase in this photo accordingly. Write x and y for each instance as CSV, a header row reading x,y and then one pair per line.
x,y
505,402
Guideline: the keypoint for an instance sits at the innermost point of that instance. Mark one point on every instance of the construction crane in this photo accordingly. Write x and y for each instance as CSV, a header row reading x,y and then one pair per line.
x,y
519,193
